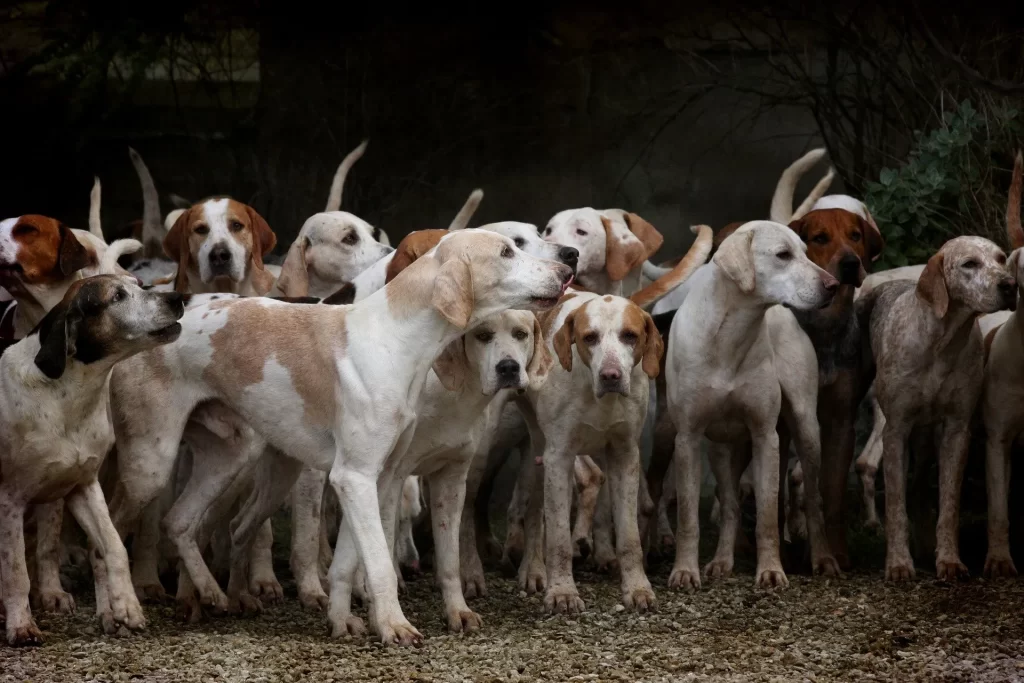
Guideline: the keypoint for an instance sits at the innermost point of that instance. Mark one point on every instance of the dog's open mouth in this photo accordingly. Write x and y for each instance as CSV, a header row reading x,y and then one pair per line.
x,y
167,333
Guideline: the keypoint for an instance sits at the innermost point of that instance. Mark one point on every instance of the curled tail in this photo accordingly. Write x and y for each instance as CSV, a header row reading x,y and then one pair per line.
x,y
338,184
117,249
687,266
782,200
817,193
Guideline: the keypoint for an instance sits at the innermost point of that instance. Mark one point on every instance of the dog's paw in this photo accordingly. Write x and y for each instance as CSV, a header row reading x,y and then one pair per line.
x,y
563,600
718,569
27,635
152,594
314,600
245,605
533,580
951,570
188,610
268,591
826,566
607,565
57,602
399,632
999,566
771,578
684,579
640,599
349,626
474,586
464,621
899,570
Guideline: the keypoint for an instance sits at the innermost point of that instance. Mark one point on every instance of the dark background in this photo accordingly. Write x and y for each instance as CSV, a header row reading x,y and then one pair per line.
x,y
682,112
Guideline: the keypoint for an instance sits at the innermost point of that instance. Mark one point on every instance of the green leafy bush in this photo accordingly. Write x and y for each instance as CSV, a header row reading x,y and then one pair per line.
x,y
945,188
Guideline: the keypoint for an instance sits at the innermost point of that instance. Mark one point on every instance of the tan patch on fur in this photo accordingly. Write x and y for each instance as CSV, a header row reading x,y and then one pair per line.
x,y
620,257
649,345
51,253
412,247
255,333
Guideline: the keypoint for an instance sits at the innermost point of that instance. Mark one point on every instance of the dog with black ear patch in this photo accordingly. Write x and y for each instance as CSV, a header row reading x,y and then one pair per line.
x,y
55,431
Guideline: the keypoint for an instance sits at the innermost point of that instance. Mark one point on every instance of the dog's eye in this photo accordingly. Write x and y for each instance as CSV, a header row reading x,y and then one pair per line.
x,y
236,226
507,252
970,264
119,295
485,336
1001,259
820,238
581,233
629,337
591,338
24,229
351,238
520,335
784,255
201,229
855,236
519,242
547,231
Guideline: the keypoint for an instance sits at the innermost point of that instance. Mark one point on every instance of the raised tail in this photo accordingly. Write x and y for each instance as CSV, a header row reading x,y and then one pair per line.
x,y
687,266
95,225
461,219
817,193
782,200
152,227
117,249
1013,228
338,184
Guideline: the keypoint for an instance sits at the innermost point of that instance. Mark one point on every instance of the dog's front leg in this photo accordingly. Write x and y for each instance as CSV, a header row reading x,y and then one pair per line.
x,y
121,608
447,497
52,596
307,497
533,577
899,566
14,579
474,584
589,480
623,464
952,461
562,596
766,480
686,571
998,562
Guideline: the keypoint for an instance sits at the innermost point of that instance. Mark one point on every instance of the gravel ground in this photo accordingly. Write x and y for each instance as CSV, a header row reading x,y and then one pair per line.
x,y
856,628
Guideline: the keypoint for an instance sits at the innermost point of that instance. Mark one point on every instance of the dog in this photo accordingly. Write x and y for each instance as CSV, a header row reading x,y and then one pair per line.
x,y
56,431
733,354
332,423
929,362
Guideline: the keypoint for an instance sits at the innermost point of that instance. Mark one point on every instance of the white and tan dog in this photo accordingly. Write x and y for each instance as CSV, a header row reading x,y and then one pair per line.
x,y
55,432
737,363
266,360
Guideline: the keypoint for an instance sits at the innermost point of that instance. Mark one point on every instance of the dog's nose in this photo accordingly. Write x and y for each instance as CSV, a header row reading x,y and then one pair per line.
x,y
1006,287
176,298
849,269
220,255
569,256
610,375
508,369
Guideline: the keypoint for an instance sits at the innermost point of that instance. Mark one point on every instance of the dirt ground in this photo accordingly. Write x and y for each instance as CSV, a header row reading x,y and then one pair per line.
x,y
855,628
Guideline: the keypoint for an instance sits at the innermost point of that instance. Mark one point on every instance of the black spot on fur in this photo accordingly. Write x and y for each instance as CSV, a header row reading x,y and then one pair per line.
x,y
344,296
297,299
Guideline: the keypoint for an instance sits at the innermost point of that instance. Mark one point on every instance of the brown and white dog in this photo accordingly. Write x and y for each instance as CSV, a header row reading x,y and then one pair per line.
x,y
55,432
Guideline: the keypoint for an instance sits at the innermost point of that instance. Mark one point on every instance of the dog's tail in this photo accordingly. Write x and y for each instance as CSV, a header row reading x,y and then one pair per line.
x,y
152,227
117,249
687,266
95,225
338,184
461,219
179,202
782,200
817,193
1013,228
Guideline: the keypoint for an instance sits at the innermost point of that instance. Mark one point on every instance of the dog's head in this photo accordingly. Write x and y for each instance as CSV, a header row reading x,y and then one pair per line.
x,y
332,248
841,242
220,239
481,273
611,335
106,318
37,250
970,271
612,241
505,351
768,262
526,237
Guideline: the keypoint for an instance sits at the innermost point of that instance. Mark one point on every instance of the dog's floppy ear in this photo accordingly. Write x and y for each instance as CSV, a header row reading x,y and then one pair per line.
x,y
654,347
294,278
736,259
176,248
620,255
541,361
263,238
452,365
453,293
57,332
931,287
872,236
72,255
563,341
645,232
403,258
342,297
800,227
1013,265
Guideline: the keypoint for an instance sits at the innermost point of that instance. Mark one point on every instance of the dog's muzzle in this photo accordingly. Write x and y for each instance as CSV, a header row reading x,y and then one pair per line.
x,y
220,260
508,374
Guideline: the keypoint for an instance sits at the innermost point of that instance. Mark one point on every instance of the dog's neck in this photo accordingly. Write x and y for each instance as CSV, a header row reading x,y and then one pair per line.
x,y
221,285
948,334
728,331
80,390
